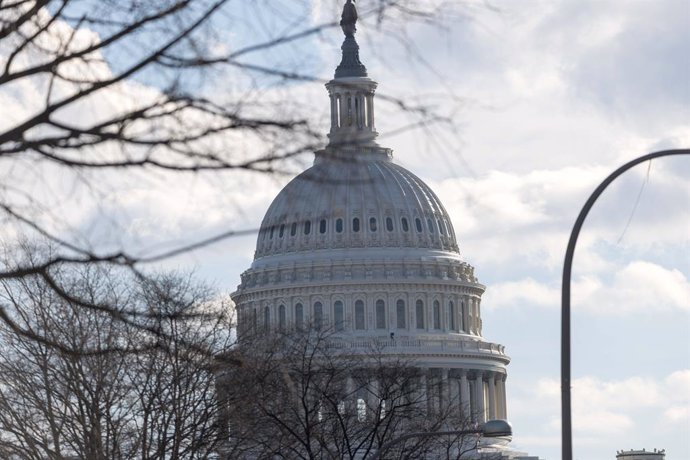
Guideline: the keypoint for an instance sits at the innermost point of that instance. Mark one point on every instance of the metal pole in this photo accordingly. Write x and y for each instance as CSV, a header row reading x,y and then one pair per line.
x,y
566,416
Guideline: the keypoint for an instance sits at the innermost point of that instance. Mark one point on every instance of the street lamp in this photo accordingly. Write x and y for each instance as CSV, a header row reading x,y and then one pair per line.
x,y
490,429
566,417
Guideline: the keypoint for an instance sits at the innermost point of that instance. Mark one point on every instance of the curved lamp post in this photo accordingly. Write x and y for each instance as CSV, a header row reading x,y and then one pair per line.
x,y
490,429
566,416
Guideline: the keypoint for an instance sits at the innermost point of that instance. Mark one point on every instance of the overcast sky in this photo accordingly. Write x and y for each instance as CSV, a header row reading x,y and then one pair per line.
x,y
547,98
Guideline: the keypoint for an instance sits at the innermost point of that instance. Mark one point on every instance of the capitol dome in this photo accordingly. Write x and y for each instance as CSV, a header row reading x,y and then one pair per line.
x,y
355,202
360,245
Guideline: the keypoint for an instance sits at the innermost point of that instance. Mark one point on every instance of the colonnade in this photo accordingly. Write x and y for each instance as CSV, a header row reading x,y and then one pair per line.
x,y
477,395
474,395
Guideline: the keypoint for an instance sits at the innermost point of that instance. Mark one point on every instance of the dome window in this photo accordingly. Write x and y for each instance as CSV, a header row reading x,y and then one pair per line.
x,y
372,224
418,224
400,314
339,225
267,318
299,316
405,225
451,314
430,225
322,226
359,315
419,313
339,315
355,225
389,224
272,230
437,315
293,229
281,232
380,314
318,315
440,227
281,317
307,227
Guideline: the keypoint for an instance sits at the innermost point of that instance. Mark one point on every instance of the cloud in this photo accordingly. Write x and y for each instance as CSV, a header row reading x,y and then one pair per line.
x,y
606,412
637,286
518,293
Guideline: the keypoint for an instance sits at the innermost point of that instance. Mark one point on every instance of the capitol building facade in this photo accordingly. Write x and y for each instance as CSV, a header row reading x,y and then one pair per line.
x,y
361,246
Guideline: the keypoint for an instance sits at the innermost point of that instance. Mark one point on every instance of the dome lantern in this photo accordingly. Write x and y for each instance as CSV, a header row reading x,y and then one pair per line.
x,y
351,92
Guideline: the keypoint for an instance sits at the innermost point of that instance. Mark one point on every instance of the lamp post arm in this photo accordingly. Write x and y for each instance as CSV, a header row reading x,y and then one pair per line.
x,y
566,419
421,434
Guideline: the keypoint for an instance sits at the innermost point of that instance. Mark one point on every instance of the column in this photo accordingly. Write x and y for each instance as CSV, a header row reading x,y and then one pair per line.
x,y
479,393
420,395
350,395
454,394
492,396
445,390
466,314
370,98
465,395
362,112
342,103
426,391
372,397
502,394
334,113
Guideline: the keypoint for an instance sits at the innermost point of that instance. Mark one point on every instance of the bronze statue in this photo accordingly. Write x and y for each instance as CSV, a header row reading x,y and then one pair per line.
x,y
349,19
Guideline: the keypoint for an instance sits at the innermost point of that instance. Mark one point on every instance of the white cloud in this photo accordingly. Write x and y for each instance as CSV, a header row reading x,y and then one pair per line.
x,y
637,286
606,413
518,293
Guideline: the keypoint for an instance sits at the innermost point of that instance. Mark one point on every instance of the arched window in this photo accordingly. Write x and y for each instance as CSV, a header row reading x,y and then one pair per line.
x,y
281,317
293,229
339,225
318,315
389,224
322,226
419,312
437,315
430,225
359,315
418,224
405,225
281,232
299,316
440,227
307,227
451,313
400,314
271,233
361,410
372,224
355,224
380,314
339,315
267,318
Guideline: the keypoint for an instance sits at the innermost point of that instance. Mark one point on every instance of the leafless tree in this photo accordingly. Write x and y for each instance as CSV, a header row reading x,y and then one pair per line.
x,y
154,404
87,61
302,395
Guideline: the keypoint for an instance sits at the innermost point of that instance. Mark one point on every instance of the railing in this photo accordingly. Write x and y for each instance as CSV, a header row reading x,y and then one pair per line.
x,y
407,344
